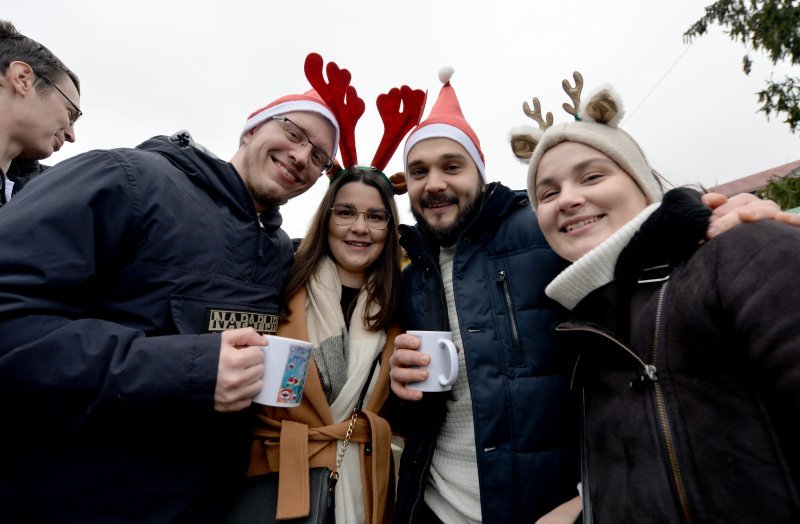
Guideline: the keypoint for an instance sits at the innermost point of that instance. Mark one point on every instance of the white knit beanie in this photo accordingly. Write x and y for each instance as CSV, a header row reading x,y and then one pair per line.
x,y
595,125
615,143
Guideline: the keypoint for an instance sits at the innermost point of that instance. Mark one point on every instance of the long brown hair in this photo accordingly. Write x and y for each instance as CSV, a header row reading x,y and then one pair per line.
x,y
383,276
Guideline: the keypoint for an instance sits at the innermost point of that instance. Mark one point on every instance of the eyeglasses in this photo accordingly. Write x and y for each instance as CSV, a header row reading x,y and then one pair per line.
x,y
319,158
346,215
73,115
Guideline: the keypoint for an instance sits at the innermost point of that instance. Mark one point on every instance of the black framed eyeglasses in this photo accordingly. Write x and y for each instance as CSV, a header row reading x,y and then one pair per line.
x,y
73,115
319,158
347,214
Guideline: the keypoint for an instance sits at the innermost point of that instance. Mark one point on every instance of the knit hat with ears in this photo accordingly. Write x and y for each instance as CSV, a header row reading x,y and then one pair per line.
x,y
447,121
595,125
309,102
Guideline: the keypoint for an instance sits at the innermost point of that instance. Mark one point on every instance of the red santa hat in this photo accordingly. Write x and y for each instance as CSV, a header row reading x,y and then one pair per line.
x,y
447,121
309,101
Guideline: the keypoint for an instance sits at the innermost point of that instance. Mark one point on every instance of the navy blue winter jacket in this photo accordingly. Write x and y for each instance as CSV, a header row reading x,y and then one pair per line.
x,y
115,269
524,439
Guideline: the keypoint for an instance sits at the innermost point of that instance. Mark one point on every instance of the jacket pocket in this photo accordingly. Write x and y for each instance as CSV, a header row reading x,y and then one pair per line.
x,y
196,315
503,282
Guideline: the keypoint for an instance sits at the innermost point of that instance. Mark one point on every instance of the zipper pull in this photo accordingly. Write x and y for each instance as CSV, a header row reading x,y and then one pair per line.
x,y
501,275
260,237
640,383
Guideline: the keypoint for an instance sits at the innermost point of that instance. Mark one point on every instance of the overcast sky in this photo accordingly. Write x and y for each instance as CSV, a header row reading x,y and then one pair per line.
x,y
154,67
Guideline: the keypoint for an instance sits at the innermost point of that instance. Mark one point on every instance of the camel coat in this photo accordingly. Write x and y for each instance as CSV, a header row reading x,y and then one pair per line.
x,y
292,440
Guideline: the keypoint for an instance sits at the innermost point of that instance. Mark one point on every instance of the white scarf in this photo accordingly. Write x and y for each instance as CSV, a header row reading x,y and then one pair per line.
x,y
325,320
596,268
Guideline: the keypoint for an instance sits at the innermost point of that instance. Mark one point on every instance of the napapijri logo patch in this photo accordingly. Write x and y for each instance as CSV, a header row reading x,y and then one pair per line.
x,y
224,319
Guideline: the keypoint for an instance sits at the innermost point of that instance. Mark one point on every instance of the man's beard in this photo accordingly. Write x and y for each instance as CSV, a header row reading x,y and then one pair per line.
x,y
263,196
447,236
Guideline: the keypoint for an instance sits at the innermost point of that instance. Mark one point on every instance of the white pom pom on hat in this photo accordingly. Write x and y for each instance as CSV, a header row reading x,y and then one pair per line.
x,y
445,74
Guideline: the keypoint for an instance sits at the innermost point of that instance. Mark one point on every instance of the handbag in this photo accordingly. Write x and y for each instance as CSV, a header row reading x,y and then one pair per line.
x,y
258,501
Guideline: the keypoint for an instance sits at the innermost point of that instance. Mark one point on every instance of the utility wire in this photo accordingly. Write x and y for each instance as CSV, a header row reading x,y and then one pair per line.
x,y
630,116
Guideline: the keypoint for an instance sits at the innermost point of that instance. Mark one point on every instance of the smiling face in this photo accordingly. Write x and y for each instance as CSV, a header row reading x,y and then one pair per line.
x,y
444,187
583,197
354,248
46,117
275,169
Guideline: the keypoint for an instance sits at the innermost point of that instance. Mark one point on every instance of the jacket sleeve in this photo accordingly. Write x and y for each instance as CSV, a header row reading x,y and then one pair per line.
x,y
63,237
757,275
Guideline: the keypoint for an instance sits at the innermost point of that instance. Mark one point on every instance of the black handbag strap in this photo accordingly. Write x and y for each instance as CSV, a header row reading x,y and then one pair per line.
x,y
363,394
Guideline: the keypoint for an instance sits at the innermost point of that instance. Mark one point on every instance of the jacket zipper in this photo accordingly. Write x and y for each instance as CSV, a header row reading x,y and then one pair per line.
x,y
649,370
661,407
445,320
516,343
259,247
420,483
663,416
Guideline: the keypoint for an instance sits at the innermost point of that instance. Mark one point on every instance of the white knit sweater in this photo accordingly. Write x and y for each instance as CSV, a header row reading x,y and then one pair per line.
x,y
453,493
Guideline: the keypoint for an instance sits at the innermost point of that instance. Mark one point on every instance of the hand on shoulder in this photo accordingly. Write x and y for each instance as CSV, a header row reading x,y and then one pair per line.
x,y
741,208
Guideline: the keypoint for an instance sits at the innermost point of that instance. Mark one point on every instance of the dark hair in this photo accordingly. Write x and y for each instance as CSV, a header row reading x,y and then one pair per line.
x,y
16,46
383,277
662,181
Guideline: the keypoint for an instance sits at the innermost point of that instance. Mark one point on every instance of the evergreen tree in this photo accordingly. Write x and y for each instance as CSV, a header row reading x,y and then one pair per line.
x,y
771,26
783,191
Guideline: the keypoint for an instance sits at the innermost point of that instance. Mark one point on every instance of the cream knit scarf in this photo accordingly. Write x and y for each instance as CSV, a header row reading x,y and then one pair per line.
x,y
596,268
354,350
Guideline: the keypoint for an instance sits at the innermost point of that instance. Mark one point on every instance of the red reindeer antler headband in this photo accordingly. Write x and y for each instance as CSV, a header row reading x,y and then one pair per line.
x,y
400,110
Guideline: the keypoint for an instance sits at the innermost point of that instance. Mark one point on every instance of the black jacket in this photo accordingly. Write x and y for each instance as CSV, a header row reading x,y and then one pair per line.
x,y
517,379
114,268
21,171
708,432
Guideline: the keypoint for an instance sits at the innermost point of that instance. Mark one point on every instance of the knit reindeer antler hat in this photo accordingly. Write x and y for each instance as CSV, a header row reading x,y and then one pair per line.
x,y
595,125
400,110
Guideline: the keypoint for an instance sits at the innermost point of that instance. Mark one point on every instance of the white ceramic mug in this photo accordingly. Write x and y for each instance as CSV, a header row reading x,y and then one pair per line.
x,y
285,369
443,368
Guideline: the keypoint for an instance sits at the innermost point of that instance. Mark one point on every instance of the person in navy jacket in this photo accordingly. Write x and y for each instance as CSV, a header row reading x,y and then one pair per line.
x,y
135,289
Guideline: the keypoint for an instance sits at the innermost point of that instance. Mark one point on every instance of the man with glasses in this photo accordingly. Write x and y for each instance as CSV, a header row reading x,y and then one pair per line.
x,y
39,104
135,289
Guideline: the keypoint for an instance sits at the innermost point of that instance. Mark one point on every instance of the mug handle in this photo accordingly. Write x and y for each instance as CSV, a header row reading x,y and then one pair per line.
x,y
453,358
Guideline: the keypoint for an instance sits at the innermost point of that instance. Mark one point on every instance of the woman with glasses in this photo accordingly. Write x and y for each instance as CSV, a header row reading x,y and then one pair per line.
x,y
342,295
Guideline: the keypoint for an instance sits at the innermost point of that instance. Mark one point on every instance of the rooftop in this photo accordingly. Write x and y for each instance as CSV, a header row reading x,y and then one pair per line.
x,y
752,183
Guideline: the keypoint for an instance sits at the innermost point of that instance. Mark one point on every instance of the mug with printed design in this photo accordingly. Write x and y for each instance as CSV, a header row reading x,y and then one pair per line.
x,y
285,368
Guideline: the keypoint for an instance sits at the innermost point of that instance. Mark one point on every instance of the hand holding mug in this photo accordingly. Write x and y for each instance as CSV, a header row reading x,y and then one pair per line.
x,y
443,363
417,363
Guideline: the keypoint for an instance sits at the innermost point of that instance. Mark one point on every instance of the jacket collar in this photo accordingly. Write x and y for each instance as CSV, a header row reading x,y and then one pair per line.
x,y
219,178
596,268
